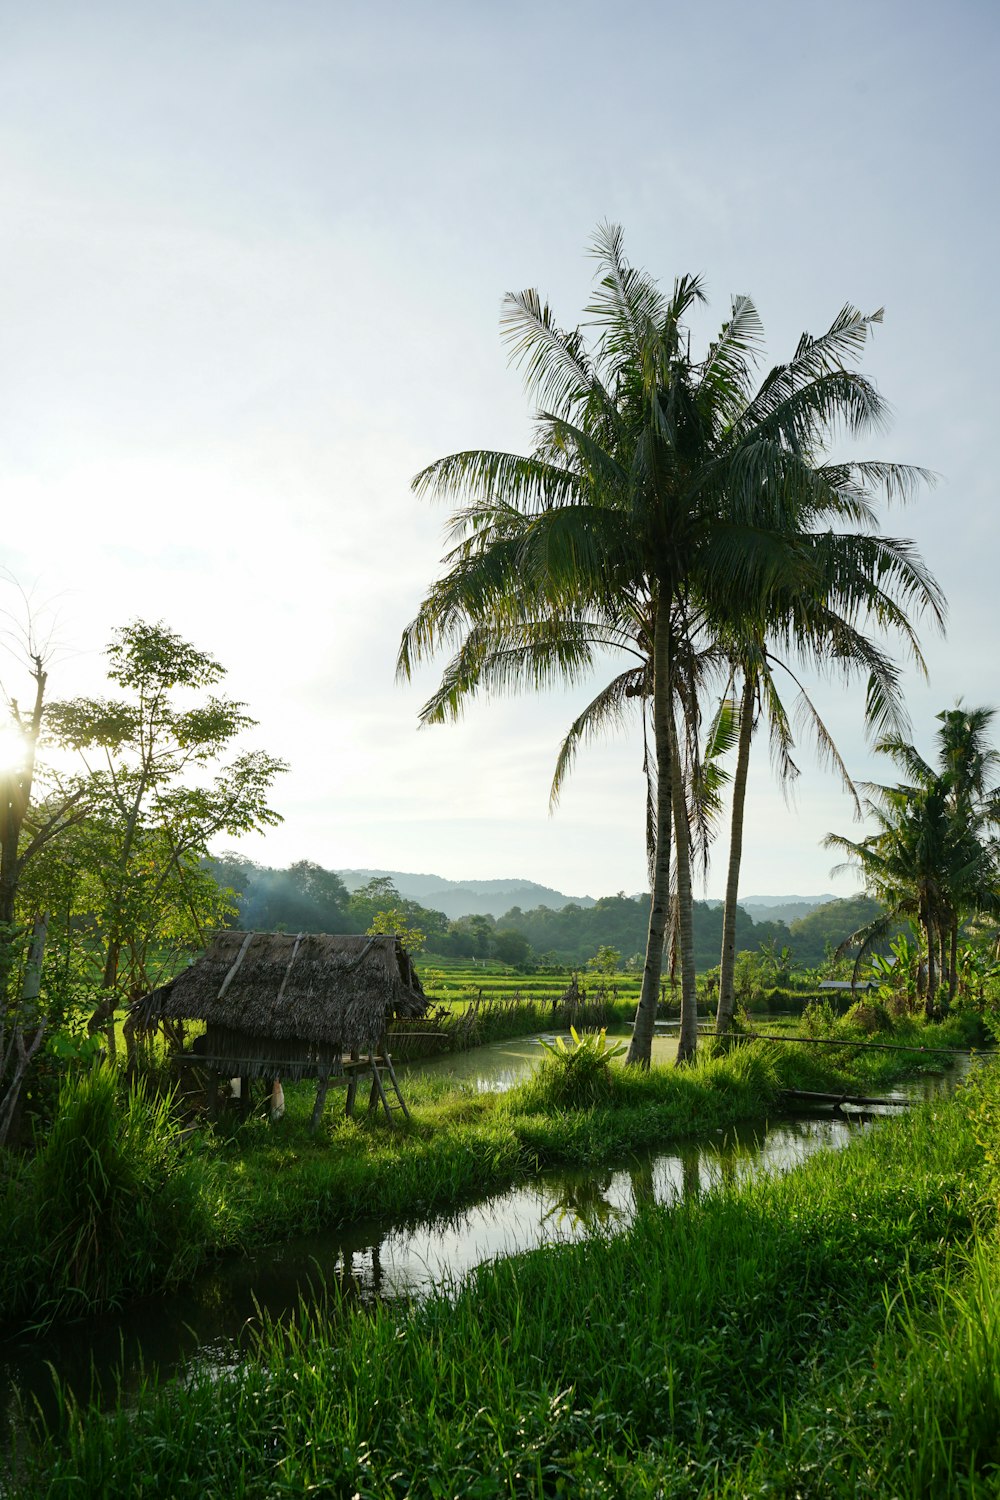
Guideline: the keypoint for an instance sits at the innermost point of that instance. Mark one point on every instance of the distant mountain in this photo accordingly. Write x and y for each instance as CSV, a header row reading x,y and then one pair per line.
x,y
462,898
777,908
785,909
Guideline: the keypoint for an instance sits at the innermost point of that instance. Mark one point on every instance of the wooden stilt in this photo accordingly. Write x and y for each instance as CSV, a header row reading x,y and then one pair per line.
x,y
376,1088
352,1085
321,1093
395,1087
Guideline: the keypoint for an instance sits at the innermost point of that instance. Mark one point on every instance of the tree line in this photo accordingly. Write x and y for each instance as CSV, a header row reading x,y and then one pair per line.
x,y
305,897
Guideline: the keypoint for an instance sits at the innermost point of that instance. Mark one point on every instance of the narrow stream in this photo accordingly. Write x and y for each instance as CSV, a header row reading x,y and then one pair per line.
x,y
207,1323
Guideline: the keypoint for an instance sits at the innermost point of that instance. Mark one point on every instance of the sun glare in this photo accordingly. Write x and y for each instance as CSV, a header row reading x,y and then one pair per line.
x,y
12,749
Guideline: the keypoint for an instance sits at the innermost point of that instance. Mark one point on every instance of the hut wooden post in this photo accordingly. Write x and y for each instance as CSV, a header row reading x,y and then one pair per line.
x,y
352,1084
375,1095
321,1093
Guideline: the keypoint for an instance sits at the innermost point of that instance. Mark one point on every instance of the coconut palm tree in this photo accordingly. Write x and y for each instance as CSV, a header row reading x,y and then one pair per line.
x,y
935,857
820,628
905,866
664,494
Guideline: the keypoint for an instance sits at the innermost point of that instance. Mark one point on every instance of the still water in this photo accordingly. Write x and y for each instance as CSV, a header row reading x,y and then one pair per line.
x,y
208,1324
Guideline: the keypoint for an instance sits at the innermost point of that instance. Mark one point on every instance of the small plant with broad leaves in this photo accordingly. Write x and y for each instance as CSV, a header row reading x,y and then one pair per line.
x,y
578,1075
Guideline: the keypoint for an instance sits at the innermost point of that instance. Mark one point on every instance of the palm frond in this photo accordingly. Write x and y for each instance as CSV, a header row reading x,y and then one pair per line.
x,y
726,373
554,363
526,484
627,302
606,711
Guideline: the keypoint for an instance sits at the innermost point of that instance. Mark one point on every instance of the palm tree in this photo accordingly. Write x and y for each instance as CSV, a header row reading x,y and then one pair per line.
x,y
821,628
904,865
664,495
970,765
934,858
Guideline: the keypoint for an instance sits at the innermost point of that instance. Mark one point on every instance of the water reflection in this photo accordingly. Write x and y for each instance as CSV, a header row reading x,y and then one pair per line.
x,y
209,1324
499,1065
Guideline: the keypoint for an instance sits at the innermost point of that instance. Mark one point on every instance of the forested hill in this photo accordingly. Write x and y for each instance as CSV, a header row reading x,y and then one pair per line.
x,y
307,898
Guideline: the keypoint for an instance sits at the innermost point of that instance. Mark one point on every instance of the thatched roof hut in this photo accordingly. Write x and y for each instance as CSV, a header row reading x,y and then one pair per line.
x,y
276,1003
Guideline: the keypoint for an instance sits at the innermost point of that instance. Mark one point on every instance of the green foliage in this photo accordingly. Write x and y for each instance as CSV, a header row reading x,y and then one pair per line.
x,y
118,1203
827,926
897,974
763,1338
394,923
575,934
305,897
578,1076
164,778
934,858
870,1017
819,1018
606,962
511,947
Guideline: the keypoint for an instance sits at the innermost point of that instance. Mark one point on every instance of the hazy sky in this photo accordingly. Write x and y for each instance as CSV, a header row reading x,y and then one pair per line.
x,y
250,276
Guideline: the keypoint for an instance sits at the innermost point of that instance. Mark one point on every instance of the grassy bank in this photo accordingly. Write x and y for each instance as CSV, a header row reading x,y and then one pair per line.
x,y
831,1332
120,1201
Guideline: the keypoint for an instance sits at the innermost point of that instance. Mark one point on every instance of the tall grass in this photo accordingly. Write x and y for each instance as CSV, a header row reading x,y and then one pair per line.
x,y
118,1202
112,1205
722,1347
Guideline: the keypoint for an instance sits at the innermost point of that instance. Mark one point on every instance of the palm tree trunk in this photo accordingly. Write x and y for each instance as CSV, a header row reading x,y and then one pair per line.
x,y
942,952
953,971
641,1047
931,1000
727,966
688,1042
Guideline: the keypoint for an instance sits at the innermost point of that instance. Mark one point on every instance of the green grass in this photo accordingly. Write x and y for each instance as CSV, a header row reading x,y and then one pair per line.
x,y
246,1185
833,1332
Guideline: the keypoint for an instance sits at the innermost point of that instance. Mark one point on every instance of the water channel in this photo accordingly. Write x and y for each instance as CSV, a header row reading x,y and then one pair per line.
x,y
207,1323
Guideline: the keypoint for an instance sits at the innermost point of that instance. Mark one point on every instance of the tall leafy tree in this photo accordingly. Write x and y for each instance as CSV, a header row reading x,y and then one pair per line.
x,y
665,494
165,777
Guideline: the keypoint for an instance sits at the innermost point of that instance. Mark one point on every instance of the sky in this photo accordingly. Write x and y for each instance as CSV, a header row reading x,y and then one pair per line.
x,y
251,268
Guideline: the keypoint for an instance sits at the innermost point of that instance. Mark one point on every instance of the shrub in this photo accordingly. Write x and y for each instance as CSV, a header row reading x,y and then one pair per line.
x,y
869,1016
579,1076
819,1018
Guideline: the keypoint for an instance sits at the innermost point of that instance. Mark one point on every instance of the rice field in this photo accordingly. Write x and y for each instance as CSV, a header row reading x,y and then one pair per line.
x,y
461,984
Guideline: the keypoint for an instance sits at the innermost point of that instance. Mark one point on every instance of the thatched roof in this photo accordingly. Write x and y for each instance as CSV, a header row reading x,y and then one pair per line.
x,y
301,1001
